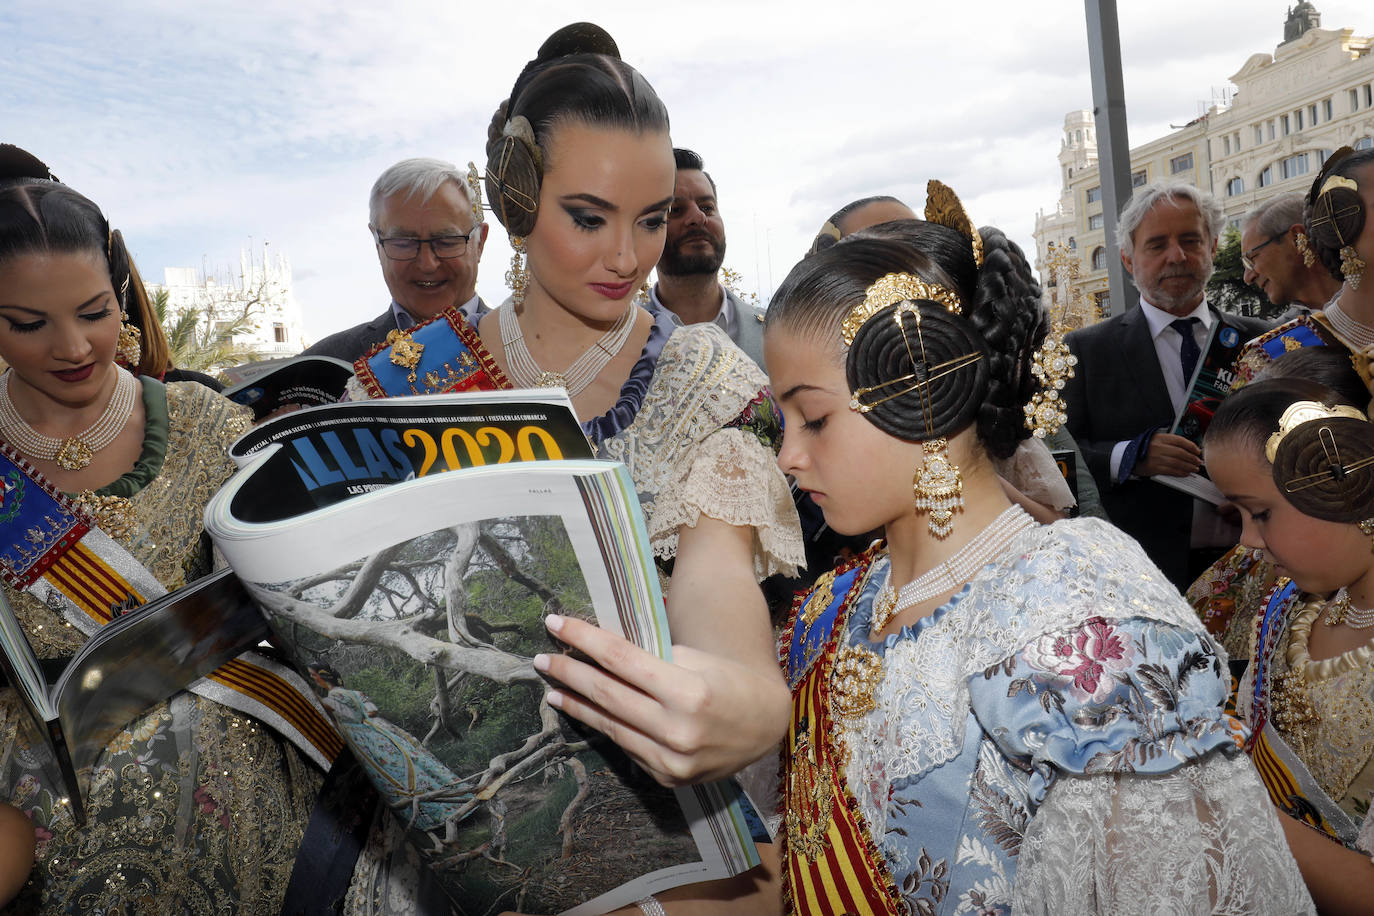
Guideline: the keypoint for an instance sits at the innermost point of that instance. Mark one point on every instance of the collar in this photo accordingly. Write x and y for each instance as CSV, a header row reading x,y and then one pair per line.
x,y
725,317
405,321
1158,319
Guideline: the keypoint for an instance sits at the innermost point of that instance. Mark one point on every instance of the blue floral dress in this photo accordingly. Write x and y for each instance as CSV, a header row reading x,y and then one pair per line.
x,y
1053,739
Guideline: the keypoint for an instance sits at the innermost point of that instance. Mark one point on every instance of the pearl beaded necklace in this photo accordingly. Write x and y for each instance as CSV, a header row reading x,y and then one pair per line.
x,y
74,452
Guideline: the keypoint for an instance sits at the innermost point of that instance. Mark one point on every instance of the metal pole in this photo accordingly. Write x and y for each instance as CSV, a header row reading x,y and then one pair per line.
x,y
1113,150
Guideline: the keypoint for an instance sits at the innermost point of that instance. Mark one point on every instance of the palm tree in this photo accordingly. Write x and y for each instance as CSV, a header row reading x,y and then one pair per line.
x,y
202,338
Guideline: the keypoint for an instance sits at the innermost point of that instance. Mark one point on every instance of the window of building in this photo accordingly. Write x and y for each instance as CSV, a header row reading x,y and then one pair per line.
x,y
1099,258
1354,100
1259,135
1137,178
1103,301
1312,114
1078,135
1094,194
1297,119
1072,243
1181,163
1266,177
1235,186
1286,124
279,332
1293,166
1095,221
1271,128
1327,109
1226,146
1235,141
1365,143
1368,94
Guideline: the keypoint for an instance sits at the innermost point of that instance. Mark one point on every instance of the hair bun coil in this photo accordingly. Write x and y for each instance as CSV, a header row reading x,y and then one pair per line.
x,y
578,38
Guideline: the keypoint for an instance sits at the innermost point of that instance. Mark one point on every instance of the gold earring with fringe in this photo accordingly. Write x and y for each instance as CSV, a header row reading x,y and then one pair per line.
x,y
517,277
1352,266
938,488
129,346
1052,365
1309,257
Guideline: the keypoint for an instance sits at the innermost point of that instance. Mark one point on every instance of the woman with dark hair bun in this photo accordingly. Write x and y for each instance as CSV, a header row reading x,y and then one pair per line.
x,y
111,472
580,172
988,714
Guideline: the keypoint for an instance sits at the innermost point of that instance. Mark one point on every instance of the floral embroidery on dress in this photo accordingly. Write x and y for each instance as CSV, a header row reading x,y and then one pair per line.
x,y
1087,657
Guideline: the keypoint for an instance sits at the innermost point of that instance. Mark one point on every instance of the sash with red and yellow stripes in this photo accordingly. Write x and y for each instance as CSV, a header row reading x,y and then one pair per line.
x,y
831,867
50,548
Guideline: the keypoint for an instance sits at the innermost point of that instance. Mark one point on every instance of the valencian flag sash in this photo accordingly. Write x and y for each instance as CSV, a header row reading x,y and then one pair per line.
x,y
52,550
1291,786
439,356
831,866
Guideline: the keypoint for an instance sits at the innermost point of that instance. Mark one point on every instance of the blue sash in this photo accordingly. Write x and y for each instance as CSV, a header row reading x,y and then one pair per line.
x,y
442,355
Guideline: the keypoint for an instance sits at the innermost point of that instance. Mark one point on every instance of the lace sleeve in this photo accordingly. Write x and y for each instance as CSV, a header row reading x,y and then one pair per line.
x,y
1204,835
1033,471
733,477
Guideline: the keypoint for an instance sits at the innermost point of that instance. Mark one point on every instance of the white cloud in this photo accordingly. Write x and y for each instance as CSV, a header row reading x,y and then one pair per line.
x,y
200,126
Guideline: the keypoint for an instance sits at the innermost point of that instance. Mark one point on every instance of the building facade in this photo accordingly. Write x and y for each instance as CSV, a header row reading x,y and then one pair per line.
x,y
262,290
1289,111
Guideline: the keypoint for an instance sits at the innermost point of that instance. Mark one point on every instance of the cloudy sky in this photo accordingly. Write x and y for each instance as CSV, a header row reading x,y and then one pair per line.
x,y
202,128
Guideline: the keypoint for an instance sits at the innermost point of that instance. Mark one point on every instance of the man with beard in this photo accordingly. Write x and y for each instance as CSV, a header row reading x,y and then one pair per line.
x,y
692,254
1133,375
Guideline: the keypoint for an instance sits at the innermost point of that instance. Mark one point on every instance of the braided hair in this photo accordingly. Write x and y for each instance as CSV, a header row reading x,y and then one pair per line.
x,y
1001,321
577,75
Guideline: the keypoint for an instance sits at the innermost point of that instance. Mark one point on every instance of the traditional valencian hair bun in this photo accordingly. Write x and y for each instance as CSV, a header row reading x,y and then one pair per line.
x,y
576,75
1324,461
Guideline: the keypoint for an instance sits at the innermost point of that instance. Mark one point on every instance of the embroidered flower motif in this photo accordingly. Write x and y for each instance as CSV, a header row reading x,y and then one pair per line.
x,y
1087,657
208,805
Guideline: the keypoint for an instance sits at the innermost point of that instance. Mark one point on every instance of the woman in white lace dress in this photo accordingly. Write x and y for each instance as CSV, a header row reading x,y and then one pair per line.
x,y
989,715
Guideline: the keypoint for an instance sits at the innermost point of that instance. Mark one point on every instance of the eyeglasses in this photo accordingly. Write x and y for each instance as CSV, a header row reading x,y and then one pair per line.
x,y
1247,258
443,246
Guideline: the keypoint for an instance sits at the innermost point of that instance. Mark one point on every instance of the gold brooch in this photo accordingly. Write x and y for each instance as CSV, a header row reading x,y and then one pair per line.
x,y
854,681
405,352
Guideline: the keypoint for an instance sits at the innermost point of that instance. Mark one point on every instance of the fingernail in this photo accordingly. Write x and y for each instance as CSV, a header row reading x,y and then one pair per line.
x,y
541,662
554,699
553,623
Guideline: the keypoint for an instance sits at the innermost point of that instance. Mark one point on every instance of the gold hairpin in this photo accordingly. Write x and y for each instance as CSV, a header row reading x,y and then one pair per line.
x,y
944,207
475,191
1300,412
942,369
890,289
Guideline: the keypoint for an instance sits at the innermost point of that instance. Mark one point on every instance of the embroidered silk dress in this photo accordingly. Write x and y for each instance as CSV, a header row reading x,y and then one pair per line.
x,y
194,808
1051,740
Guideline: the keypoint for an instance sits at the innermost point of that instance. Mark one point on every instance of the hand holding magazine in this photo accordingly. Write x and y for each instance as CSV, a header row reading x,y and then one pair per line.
x,y
406,552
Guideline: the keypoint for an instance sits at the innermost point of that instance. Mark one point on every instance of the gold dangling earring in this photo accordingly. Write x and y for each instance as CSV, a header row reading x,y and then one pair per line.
x,y
517,277
1367,527
939,488
1052,365
129,346
1309,257
642,297
1352,266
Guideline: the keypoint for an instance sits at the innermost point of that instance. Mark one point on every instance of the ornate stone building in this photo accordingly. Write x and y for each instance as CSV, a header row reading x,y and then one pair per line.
x,y
1289,111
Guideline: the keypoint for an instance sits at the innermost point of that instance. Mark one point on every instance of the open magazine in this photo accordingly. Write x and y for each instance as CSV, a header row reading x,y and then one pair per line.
x,y
1211,382
129,664
416,607
302,381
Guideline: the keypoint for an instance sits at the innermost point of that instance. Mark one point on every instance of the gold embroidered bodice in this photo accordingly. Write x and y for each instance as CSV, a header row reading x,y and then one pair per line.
x,y
1325,711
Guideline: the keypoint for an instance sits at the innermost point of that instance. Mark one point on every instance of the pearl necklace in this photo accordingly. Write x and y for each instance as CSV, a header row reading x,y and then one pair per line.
x,y
526,373
74,452
1354,333
954,572
1341,611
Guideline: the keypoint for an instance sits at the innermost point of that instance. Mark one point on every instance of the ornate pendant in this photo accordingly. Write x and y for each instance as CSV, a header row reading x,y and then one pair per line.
x,y
73,455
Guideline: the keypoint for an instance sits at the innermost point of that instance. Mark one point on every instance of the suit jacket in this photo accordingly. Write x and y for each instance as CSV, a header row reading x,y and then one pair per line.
x,y
749,336
1117,393
351,344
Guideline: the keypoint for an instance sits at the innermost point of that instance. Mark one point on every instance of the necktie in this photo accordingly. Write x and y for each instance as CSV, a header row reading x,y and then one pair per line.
x,y
1187,351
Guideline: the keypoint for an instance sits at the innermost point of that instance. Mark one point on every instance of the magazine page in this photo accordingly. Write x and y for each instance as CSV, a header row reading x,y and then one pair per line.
x,y
333,453
416,611
1211,382
145,656
305,381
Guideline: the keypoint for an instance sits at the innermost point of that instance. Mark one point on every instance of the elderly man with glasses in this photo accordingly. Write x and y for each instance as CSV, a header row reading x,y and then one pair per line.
x,y
1273,262
427,224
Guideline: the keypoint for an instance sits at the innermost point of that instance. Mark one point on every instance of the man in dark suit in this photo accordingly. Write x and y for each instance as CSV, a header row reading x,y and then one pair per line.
x,y
1133,373
427,225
